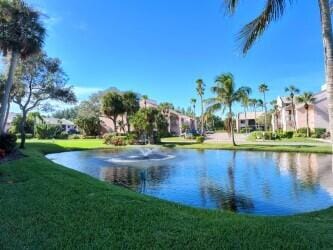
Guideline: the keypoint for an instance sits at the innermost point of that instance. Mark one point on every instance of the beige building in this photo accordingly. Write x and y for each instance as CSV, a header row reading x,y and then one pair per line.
x,y
318,114
175,120
248,120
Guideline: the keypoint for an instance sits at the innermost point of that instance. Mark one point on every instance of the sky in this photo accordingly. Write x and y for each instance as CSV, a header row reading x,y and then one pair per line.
x,y
160,48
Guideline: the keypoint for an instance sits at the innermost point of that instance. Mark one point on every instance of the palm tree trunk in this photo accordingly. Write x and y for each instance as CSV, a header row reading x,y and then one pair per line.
x,y
8,87
307,123
202,117
255,117
231,127
265,111
326,26
7,114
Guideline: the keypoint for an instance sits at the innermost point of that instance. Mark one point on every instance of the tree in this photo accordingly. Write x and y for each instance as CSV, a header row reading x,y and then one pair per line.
x,y
131,106
254,104
145,98
113,106
37,79
226,95
201,91
89,125
245,104
22,35
307,98
292,91
263,88
275,111
193,102
273,10
68,114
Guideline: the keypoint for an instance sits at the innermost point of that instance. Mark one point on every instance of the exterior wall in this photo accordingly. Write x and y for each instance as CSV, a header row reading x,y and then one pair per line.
x,y
248,120
321,118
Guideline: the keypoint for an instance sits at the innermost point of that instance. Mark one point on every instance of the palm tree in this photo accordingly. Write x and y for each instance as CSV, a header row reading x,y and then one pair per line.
x,y
131,105
245,101
307,98
193,102
201,91
292,91
145,98
275,110
226,95
273,10
263,88
254,104
22,34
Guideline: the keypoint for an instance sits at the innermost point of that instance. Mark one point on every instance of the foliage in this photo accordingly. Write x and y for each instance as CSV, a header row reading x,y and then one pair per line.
x,y
27,135
89,125
68,114
44,131
200,139
74,137
113,106
8,142
112,139
16,123
260,121
318,132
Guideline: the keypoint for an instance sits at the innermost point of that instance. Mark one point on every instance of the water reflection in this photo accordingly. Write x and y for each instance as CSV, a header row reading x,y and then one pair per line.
x,y
265,183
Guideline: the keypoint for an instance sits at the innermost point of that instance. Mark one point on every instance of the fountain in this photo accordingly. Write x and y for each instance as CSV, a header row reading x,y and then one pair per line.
x,y
141,155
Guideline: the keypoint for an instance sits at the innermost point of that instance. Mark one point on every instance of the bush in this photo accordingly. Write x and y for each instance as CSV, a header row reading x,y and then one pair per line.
x,y
108,138
318,133
62,135
200,139
302,131
44,131
88,137
118,140
74,137
27,136
298,134
131,138
288,134
8,142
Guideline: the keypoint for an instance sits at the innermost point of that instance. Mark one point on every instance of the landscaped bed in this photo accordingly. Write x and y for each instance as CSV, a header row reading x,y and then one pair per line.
x,y
44,205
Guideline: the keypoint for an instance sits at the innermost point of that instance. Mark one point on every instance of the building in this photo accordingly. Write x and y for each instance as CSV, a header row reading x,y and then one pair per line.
x,y
175,120
248,120
318,114
66,125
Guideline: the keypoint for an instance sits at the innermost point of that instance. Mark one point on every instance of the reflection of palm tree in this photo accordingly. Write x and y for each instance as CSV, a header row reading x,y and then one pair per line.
x,y
227,198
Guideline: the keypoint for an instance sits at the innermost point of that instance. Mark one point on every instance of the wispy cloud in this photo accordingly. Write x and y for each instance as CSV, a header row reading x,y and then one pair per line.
x,y
84,92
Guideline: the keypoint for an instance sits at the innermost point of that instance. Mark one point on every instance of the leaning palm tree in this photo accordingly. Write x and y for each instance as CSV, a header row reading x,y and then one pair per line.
x,y
273,10
292,91
226,95
263,88
22,34
307,98
245,102
201,91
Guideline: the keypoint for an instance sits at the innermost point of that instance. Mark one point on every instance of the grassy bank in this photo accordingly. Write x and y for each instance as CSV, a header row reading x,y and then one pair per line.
x,y
45,206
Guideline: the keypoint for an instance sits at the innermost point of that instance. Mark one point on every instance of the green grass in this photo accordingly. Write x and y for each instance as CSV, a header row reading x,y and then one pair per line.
x,y
46,206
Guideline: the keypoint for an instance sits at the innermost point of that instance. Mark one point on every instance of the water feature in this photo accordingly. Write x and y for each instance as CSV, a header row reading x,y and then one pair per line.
x,y
263,183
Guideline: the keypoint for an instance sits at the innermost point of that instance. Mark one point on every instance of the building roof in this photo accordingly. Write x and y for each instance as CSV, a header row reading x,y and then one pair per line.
x,y
249,115
56,121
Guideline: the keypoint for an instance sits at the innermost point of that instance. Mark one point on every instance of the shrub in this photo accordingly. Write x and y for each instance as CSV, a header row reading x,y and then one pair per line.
x,y
298,134
131,138
118,140
318,133
288,134
302,131
74,137
108,138
88,136
200,139
8,142
44,131
27,136
62,135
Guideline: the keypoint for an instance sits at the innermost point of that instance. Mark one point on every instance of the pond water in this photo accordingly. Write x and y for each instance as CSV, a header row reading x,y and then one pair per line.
x,y
263,183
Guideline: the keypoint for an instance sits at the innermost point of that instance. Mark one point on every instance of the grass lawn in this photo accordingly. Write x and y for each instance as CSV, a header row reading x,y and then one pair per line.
x,y
45,206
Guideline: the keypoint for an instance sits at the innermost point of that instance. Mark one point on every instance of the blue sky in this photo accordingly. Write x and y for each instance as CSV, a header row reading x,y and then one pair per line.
x,y
160,48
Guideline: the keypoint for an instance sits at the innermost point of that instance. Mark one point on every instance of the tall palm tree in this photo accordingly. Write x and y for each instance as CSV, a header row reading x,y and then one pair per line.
x,y
273,10
254,104
307,98
226,95
292,91
145,98
263,88
275,110
193,102
22,34
245,101
201,91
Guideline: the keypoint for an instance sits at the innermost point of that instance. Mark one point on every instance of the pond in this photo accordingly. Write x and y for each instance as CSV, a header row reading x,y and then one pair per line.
x,y
262,183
